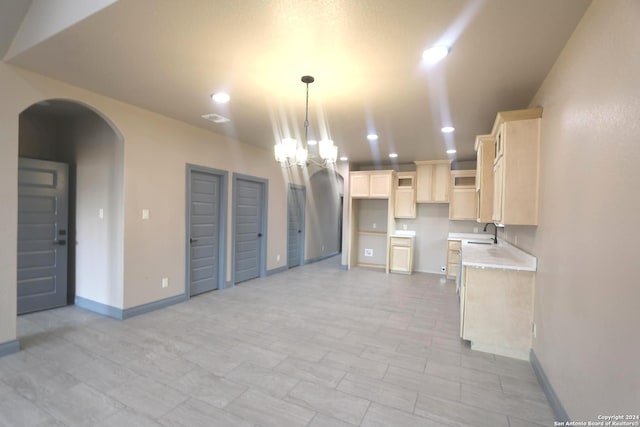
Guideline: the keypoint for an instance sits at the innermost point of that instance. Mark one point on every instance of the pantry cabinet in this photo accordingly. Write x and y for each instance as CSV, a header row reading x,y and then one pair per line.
x,y
433,181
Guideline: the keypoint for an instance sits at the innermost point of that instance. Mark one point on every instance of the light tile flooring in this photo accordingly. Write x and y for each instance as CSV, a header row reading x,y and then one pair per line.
x,y
314,346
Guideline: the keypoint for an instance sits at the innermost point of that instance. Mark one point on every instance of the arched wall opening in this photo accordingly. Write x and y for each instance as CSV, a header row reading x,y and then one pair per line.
x,y
324,214
74,133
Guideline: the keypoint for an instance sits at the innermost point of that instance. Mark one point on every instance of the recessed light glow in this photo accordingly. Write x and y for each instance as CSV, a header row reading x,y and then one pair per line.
x,y
344,159
372,137
435,54
312,142
451,151
393,155
447,129
221,97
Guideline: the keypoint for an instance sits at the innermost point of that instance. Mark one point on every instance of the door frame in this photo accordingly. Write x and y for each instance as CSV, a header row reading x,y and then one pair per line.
x,y
264,185
292,188
222,217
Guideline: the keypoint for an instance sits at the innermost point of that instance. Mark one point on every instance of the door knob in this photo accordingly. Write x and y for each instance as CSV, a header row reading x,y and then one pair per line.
x,y
259,234
192,240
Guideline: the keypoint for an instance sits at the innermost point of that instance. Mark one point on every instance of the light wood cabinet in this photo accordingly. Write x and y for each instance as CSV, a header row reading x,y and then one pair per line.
x,y
462,204
453,258
405,201
371,184
401,254
485,149
516,167
433,181
496,310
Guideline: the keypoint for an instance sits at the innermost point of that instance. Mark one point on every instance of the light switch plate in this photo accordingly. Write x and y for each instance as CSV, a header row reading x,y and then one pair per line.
x,y
145,213
368,252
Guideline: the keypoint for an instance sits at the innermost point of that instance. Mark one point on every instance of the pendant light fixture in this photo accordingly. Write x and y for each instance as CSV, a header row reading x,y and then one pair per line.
x,y
288,152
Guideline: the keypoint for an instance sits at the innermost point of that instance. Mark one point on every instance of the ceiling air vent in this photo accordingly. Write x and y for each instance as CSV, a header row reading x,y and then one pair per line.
x,y
215,118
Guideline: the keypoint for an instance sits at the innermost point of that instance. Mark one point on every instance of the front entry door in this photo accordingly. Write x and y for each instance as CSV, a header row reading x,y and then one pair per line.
x,y
42,234
249,233
204,231
295,225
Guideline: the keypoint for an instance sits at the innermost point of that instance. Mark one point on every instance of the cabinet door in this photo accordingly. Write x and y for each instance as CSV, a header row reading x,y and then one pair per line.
x,y
463,204
401,259
441,182
498,180
359,185
405,203
424,183
380,186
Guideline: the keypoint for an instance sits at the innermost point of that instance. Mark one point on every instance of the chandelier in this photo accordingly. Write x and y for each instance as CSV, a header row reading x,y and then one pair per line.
x,y
289,153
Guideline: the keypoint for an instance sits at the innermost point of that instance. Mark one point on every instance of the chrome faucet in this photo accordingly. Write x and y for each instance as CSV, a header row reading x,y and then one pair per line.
x,y
495,231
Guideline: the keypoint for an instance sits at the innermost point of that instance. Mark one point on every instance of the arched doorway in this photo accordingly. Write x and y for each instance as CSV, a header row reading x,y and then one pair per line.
x,y
80,256
327,189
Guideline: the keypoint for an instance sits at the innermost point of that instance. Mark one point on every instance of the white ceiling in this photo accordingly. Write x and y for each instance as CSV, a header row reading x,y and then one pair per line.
x,y
169,56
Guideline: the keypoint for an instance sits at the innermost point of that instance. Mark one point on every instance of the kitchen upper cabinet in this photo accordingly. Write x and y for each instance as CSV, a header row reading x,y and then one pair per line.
x,y
462,205
516,166
433,181
485,148
405,200
371,184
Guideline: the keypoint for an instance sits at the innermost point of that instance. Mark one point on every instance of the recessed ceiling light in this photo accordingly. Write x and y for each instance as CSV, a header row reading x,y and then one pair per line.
x,y
393,155
220,97
344,159
312,142
435,54
215,118
372,137
447,129
452,151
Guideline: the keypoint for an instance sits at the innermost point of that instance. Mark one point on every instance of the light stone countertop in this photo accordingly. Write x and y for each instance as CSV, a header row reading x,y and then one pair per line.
x,y
503,255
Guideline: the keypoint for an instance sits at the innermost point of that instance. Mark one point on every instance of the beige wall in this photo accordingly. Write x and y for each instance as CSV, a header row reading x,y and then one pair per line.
x,y
588,290
156,150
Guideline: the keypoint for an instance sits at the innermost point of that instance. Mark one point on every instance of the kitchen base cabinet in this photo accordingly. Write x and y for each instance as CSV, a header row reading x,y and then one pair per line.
x,y
401,254
453,258
496,310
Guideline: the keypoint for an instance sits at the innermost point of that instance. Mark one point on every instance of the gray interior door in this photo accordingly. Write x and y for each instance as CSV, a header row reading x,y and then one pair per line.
x,y
204,232
295,226
42,234
248,229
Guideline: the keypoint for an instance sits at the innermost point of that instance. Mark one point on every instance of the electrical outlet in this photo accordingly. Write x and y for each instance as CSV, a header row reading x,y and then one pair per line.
x,y
404,226
475,229
145,213
278,257
101,213
368,252
375,225
535,331
515,240
443,269
165,282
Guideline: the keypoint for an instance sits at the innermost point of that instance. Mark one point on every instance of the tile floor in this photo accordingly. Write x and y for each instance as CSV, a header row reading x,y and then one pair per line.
x,y
314,346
